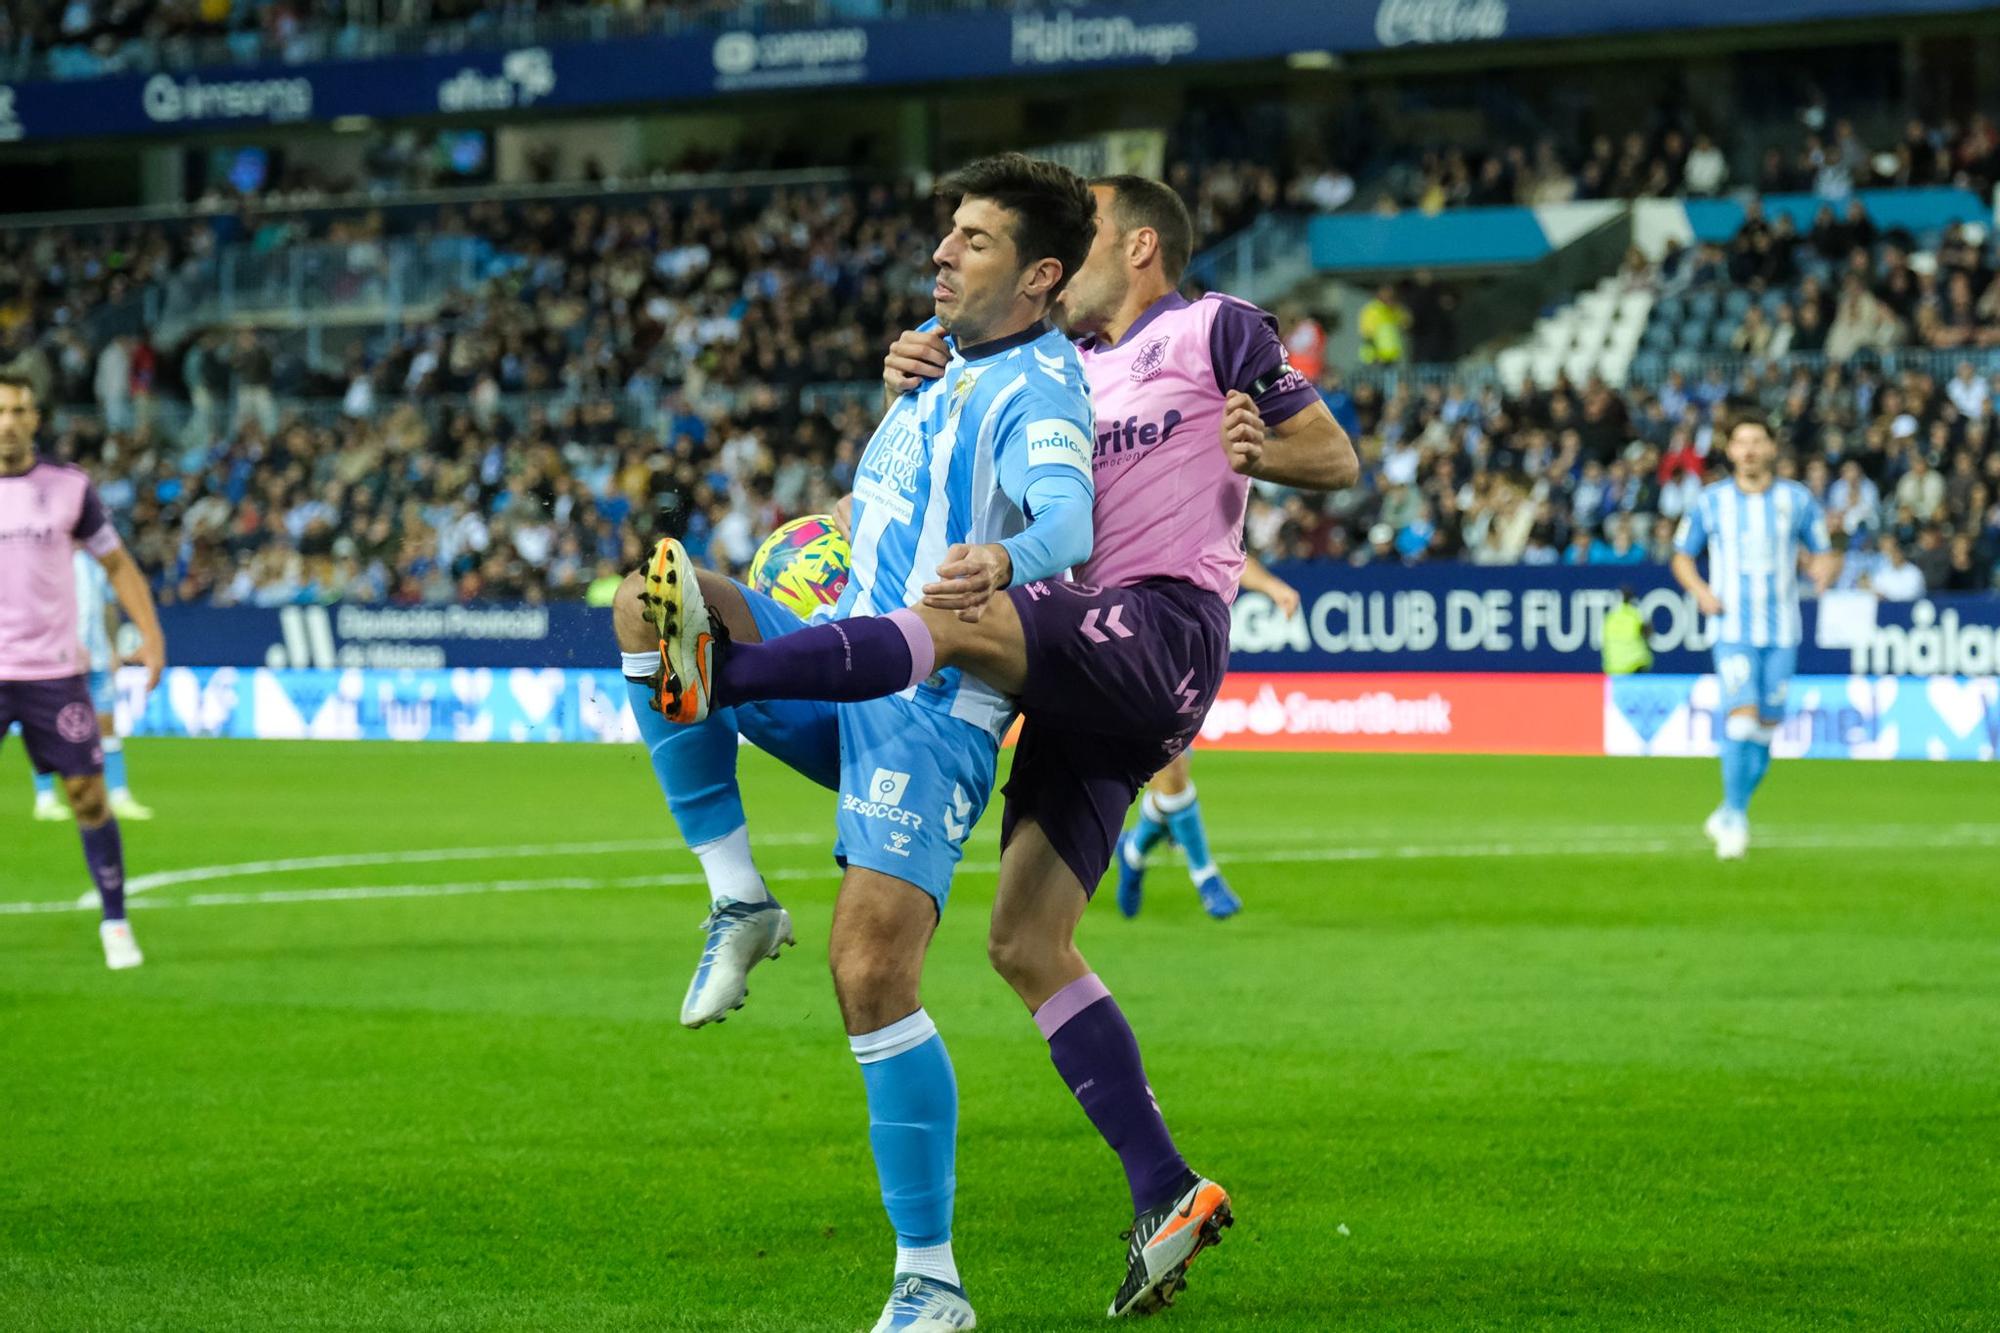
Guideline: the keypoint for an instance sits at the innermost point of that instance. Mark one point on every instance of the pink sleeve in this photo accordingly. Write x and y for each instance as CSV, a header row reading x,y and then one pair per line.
x,y
93,530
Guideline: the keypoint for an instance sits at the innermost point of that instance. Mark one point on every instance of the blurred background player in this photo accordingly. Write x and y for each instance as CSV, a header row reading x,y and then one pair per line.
x,y
1169,808
1753,527
48,509
97,622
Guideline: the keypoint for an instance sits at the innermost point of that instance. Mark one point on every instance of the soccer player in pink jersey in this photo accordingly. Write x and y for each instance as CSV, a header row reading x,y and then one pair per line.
x,y
47,509
1113,672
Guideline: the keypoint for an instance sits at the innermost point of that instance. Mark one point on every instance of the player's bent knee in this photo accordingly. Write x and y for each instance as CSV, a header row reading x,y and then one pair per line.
x,y
874,987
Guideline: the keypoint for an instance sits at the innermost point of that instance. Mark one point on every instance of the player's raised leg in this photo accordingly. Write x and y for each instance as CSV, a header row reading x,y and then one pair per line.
x,y
1176,1213
695,767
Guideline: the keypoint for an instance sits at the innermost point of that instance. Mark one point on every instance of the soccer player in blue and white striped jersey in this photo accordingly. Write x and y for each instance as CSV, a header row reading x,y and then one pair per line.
x,y
1757,530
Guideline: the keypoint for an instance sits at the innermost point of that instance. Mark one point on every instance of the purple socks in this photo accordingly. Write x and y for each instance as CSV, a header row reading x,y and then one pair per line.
x,y
104,853
842,661
1097,1055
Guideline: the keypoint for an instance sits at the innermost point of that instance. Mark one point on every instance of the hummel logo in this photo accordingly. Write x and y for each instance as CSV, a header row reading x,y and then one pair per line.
x,y
899,843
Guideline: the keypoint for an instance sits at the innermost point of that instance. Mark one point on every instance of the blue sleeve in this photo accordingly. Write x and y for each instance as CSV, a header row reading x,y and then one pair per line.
x,y
1044,465
1692,539
1060,536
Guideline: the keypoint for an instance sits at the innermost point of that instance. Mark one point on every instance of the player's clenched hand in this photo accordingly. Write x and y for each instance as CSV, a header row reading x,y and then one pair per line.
x,y
1285,597
968,578
1705,598
913,358
1242,432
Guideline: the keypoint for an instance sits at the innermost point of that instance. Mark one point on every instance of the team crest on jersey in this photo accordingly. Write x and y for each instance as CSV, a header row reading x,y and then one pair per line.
x,y
960,392
1150,359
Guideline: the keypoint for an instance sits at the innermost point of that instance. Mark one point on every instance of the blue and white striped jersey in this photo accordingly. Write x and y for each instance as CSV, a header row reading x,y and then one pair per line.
x,y
950,463
93,599
1753,543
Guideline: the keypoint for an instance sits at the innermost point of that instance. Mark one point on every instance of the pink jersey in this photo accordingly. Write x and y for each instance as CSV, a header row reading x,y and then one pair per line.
x,y
45,514
1168,503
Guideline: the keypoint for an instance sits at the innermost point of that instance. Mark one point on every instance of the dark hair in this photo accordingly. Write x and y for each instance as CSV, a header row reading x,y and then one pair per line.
x,y
1055,216
11,380
1139,202
1743,414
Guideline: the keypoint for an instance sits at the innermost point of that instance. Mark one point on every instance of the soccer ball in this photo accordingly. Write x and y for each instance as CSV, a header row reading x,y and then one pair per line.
x,y
803,565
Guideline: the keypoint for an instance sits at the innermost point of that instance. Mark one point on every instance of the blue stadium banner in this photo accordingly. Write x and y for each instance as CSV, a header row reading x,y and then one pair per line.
x,y
1826,717
416,638
966,46
1455,618
1470,618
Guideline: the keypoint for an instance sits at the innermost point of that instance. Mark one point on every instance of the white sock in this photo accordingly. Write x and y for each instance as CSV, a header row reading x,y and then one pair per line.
x,y
638,666
1164,805
933,1261
731,873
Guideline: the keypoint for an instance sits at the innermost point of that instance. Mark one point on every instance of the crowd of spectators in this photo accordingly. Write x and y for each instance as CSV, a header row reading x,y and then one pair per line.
x,y
1907,468
1842,288
74,39
1830,160
421,478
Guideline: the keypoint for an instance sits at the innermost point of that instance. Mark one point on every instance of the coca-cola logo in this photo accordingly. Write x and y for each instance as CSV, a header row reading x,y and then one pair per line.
x,y
1427,22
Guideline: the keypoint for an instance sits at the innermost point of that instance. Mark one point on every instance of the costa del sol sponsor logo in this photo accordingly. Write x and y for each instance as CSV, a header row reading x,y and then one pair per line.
x,y
1066,39
169,101
1428,22
780,59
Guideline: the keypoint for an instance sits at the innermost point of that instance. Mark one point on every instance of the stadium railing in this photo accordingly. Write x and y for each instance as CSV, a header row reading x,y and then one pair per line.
x,y
385,281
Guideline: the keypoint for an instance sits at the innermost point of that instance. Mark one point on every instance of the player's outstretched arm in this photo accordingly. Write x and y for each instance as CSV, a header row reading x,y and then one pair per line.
x,y
1308,449
137,599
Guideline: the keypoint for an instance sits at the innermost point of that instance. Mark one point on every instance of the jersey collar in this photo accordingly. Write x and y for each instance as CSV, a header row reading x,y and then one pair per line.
x,y
1171,301
979,351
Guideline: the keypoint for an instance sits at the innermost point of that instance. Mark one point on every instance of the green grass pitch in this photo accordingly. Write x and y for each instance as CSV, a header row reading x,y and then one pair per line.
x,y
1496,1044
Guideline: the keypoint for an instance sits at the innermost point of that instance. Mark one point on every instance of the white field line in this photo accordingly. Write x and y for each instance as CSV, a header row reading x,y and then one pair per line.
x,y
1847,838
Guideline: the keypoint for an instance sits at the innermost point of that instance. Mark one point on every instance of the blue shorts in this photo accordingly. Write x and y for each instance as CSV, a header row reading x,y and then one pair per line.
x,y
803,734
1755,678
913,782
104,692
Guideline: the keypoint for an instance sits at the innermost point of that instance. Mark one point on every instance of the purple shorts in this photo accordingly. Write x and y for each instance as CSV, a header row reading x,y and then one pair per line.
x,y
1119,680
58,721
